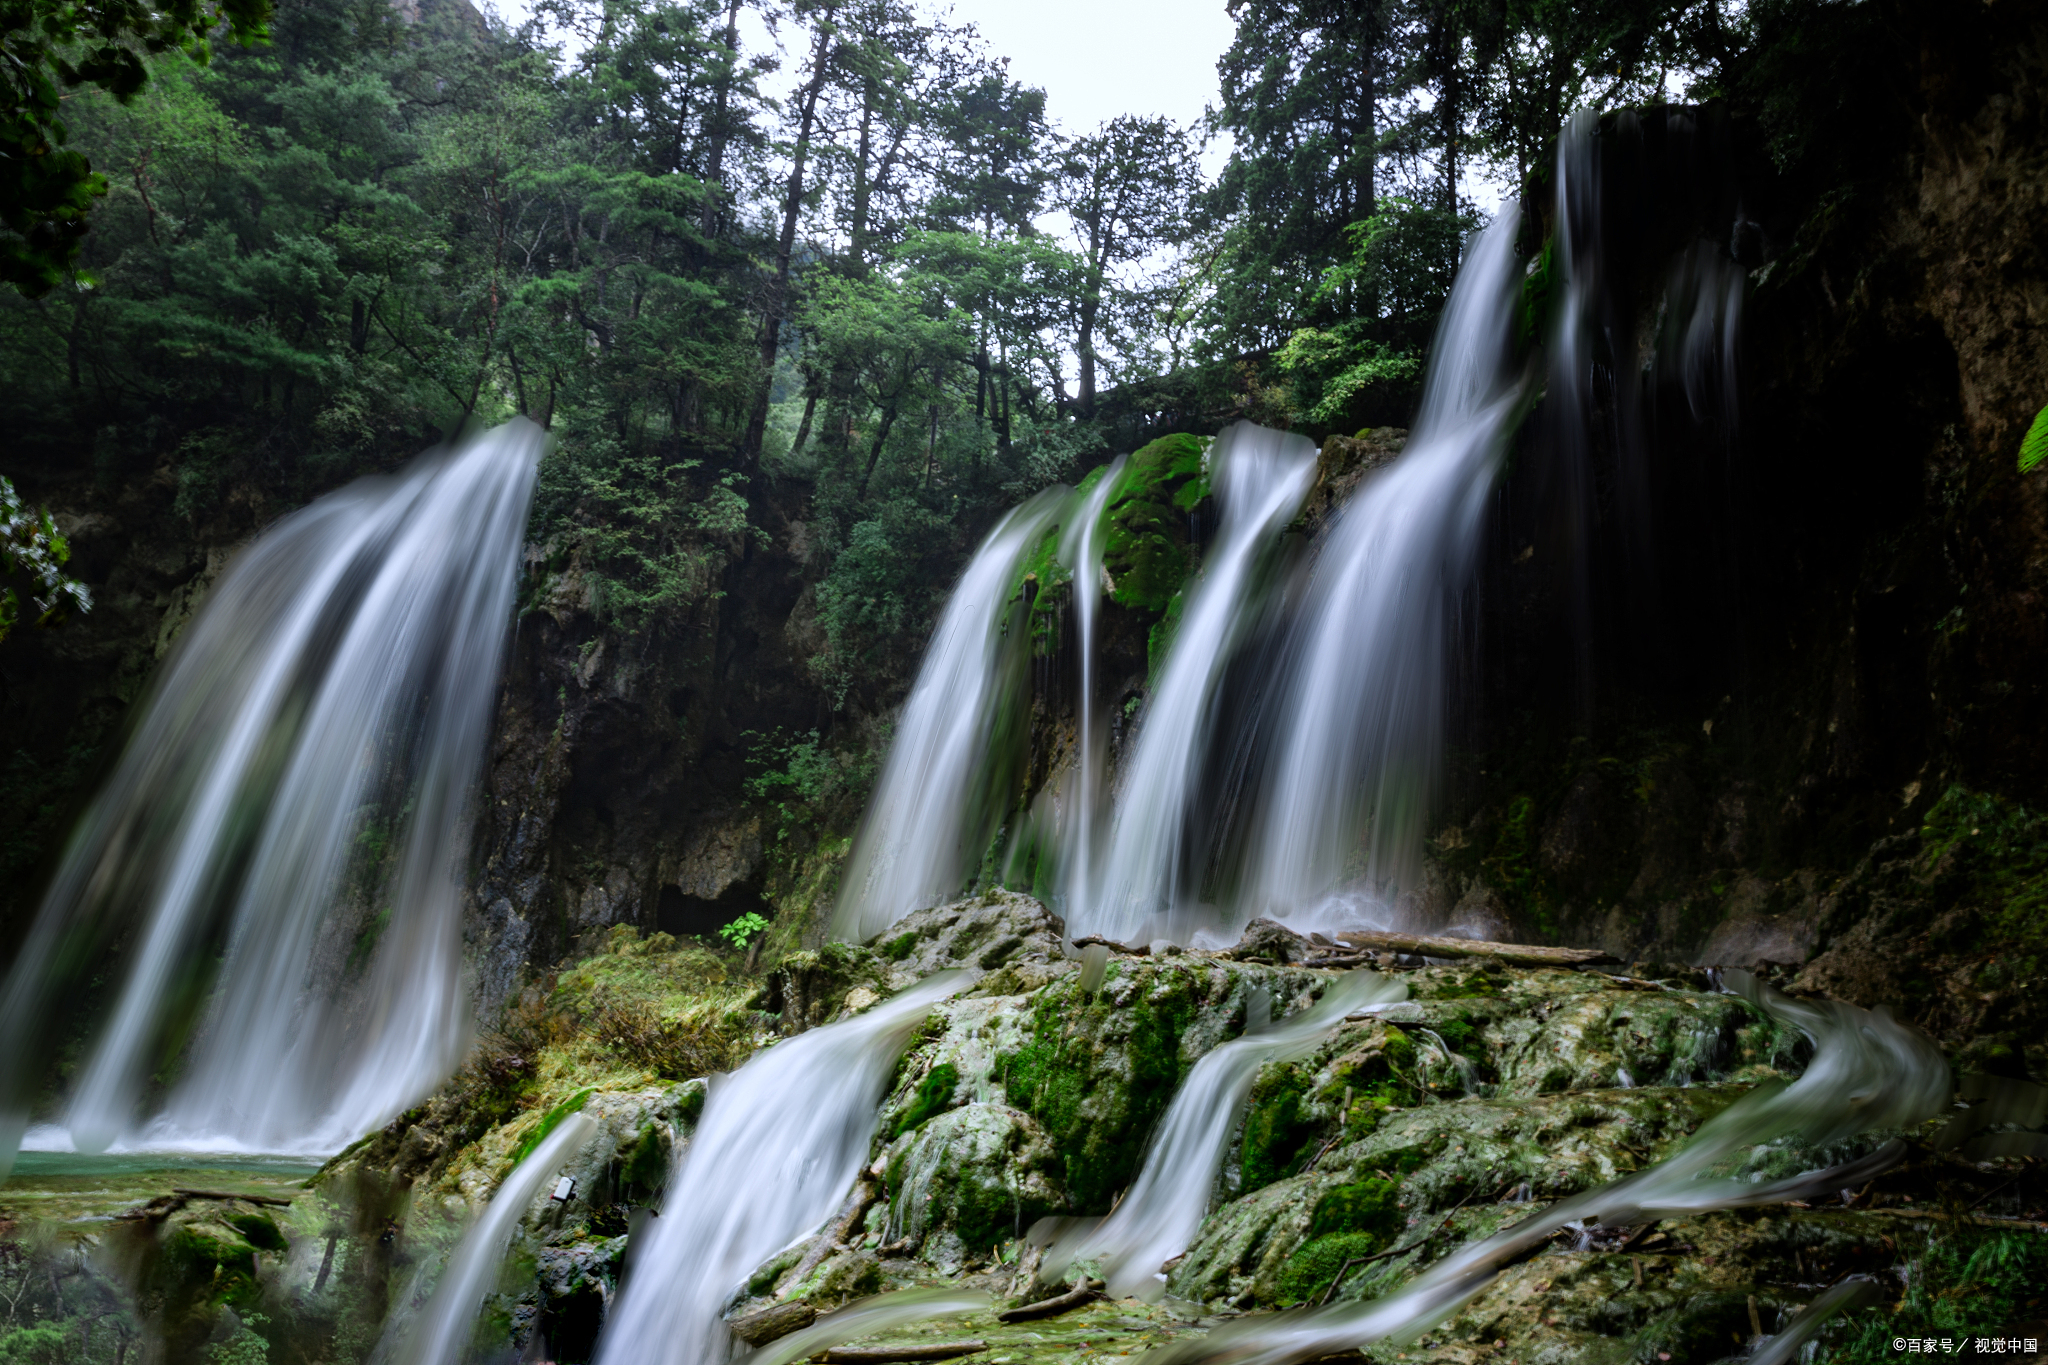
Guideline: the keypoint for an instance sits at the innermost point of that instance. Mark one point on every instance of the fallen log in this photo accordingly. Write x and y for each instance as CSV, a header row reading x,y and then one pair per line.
x,y
875,1355
223,1194
1515,954
1085,1292
1133,950
758,1329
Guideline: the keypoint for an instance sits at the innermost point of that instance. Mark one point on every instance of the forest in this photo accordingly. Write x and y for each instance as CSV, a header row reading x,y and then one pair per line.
x,y
359,227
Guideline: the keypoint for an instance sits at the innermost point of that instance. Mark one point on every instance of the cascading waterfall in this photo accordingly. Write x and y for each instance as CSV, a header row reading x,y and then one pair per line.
x,y
1081,550
779,1144
1260,477
1868,1072
1165,1205
1356,726
923,827
440,1332
291,804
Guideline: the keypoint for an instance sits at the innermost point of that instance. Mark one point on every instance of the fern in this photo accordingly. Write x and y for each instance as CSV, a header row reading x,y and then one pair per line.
x,y
2034,448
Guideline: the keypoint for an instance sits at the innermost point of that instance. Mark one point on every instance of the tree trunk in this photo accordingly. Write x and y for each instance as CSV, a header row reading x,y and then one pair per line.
x,y
803,428
863,187
875,450
714,161
792,206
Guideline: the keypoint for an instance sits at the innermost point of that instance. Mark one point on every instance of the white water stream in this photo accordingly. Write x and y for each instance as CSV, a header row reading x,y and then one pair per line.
x,y
780,1143
1359,715
918,839
1164,1208
439,1333
1081,549
292,803
1260,477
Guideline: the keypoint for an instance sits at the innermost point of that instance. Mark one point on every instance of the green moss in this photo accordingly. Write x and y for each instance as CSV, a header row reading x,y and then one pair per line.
x,y
1992,855
643,1162
1160,639
550,1121
1370,1206
1098,1119
1313,1267
1512,866
934,1097
1146,549
1276,1128
258,1231
900,947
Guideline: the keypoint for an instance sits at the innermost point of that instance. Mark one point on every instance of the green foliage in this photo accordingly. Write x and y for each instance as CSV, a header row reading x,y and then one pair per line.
x,y
934,1097
47,189
900,947
245,1347
30,544
742,930
2034,448
1961,1285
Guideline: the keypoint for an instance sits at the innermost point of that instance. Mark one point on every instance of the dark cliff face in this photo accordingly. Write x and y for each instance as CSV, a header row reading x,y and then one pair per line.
x,y
1826,642
616,790
66,692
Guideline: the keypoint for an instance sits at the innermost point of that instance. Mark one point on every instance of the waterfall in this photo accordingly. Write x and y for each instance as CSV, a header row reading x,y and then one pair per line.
x,y
440,1334
1356,722
291,805
926,822
1166,1204
1868,1072
1260,477
1081,550
780,1143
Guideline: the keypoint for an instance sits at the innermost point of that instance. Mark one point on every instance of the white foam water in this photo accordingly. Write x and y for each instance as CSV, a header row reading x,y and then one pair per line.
x,y
780,1143
292,806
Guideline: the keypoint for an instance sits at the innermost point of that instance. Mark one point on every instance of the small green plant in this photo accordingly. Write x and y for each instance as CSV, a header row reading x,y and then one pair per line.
x,y
30,544
742,930
2034,448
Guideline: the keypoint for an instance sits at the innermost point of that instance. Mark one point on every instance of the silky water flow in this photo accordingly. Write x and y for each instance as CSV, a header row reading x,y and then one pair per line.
x,y
292,803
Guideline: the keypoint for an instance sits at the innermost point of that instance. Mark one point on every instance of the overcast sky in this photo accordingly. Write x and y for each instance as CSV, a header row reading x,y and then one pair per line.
x,y
1096,59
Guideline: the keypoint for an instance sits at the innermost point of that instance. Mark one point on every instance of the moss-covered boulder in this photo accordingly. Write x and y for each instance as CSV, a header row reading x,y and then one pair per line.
x,y
1147,552
982,1172
980,933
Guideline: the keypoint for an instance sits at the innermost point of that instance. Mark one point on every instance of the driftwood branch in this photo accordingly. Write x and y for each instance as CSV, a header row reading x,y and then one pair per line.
x,y
875,1355
1517,954
1085,1292
851,1213
222,1194
1137,950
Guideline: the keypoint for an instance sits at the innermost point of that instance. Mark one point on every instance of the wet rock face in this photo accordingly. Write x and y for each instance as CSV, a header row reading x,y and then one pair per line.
x,y
983,1172
981,933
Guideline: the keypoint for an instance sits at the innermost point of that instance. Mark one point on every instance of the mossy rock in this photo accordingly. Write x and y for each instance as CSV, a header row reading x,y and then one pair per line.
x,y
984,1172
1276,1128
1146,550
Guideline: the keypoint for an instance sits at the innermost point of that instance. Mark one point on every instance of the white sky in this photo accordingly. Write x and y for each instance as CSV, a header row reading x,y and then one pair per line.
x,y
1096,59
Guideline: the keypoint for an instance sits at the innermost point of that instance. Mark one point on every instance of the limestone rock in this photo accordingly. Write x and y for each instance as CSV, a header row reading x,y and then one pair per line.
x,y
981,933
985,1172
